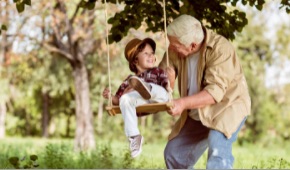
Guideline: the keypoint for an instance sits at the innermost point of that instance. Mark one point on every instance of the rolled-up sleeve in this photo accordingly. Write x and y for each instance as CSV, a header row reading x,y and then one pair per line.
x,y
219,72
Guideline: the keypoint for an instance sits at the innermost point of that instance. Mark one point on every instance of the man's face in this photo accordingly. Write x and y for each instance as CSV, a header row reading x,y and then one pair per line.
x,y
181,49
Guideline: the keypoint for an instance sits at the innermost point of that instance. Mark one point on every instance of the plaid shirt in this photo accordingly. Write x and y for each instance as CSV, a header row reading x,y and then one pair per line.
x,y
154,75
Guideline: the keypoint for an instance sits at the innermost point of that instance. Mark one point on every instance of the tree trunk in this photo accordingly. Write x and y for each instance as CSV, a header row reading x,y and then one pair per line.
x,y
84,137
45,114
2,119
27,123
100,116
3,52
67,133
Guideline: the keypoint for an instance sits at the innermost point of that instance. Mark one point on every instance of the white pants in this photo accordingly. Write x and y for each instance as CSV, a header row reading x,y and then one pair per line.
x,y
129,102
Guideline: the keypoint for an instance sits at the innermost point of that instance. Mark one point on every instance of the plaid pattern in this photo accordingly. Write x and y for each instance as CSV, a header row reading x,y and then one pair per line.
x,y
154,75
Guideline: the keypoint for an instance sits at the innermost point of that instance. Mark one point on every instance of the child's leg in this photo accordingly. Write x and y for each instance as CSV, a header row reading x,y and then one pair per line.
x,y
158,94
128,104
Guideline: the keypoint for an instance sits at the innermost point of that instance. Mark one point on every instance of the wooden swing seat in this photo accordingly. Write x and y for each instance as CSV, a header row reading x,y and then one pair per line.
x,y
143,109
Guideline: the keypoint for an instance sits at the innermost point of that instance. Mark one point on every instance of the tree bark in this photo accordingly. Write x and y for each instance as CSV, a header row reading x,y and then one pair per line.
x,y
3,53
2,119
100,116
67,133
84,137
45,114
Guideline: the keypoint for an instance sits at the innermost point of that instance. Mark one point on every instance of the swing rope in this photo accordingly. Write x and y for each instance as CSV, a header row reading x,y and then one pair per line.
x,y
108,55
154,107
167,57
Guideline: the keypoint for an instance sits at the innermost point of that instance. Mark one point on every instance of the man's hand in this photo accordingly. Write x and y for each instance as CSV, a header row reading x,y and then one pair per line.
x,y
178,107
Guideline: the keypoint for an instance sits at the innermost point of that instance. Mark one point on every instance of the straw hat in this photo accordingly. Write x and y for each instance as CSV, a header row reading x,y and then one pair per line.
x,y
132,46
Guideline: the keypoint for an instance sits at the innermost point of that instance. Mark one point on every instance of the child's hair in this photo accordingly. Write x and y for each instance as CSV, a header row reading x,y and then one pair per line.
x,y
133,48
132,63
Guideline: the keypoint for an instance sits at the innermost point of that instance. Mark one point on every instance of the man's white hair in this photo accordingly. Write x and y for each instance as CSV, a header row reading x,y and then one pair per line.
x,y
186,29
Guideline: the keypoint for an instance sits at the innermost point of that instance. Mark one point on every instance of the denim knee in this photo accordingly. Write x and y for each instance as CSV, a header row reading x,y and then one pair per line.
x,y
219,151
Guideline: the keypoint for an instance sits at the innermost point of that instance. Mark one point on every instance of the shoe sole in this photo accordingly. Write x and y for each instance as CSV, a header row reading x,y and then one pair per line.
x,y
138,153
140,87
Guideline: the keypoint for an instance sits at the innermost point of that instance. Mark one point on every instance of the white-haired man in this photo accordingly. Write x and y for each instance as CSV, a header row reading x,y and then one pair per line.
x,y
214,100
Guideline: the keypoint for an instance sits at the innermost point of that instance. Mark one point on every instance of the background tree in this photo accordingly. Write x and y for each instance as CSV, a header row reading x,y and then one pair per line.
x,y
69,36
67,40
7,39
256,48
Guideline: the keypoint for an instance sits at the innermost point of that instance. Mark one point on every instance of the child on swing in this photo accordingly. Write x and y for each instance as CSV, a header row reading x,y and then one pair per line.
x,y
148,85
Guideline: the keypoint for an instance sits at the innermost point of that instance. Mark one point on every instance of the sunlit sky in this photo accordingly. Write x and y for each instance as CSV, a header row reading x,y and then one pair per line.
x,y
277,75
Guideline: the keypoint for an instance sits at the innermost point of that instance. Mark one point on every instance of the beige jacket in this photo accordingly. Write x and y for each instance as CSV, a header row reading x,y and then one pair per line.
x,y
221,75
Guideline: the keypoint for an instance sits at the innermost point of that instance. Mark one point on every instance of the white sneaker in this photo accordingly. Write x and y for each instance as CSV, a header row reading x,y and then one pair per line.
x,y
140,86
135,145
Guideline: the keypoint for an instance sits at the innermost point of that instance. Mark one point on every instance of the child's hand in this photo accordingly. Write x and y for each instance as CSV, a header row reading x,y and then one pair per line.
x,y
106,93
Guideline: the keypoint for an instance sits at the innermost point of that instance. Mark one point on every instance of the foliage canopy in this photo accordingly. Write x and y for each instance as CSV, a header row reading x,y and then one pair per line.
x,y
218,15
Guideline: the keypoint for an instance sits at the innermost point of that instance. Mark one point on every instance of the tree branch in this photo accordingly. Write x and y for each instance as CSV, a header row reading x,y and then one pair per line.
x,y
56,32
75,13
57,50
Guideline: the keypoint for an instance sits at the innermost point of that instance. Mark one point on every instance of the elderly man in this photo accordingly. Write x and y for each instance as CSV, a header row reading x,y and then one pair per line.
x,y
214,100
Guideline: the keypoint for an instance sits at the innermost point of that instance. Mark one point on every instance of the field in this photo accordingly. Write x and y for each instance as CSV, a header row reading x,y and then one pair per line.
x,y
58,154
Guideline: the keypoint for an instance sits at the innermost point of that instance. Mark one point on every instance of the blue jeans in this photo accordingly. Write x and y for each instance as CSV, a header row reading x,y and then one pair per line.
x,y
183,151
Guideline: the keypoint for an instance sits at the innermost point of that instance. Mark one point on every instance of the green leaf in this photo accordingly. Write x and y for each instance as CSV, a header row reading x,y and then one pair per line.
x,y
15,1
4,27
26,167
244,2
14,160
35,165
112,21
90,5
239,29
252,2
20,7
234,3
33,157
83,4
27,2
0,31
129,2
261,2
259,7
223,7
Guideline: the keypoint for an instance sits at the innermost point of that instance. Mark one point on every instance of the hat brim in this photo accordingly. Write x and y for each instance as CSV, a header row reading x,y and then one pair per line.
x,y
149,41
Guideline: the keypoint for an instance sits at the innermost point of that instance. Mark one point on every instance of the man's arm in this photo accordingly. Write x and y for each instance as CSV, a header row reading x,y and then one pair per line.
x,y
201,99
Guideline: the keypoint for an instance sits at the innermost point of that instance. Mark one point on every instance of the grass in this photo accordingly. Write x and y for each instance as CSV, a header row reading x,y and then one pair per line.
x,y
57,154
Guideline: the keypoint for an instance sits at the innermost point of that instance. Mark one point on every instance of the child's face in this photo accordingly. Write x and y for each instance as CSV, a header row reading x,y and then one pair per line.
x,y
145,59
